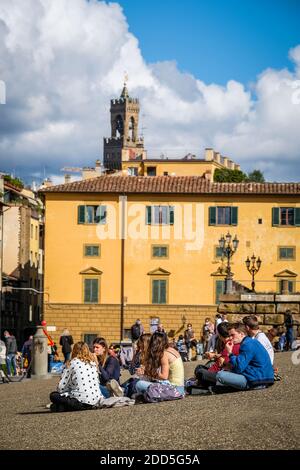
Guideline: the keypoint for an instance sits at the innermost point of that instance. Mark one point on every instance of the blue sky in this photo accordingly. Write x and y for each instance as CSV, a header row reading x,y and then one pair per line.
x,y
217,40
221,73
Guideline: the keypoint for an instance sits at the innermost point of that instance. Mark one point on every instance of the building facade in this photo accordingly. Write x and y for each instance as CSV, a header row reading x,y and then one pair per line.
x,y
119,248
22,261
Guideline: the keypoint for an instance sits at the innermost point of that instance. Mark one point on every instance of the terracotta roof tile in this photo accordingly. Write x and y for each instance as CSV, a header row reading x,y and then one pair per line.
x,y
170,184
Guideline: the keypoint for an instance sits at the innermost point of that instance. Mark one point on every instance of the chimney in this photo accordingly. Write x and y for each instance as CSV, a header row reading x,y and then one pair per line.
x,y
236,166
98,167
67,179
217,157
230,164
225,162
209,154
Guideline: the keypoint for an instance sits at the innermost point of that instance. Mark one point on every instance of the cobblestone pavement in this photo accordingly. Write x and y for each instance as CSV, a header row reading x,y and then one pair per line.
x,y
262,419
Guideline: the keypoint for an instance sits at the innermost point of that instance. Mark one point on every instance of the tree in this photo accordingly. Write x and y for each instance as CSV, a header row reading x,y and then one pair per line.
x,y
256,176
224,175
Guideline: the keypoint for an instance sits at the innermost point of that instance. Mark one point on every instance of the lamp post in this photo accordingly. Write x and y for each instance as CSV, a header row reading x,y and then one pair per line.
x,y
228,247
253,265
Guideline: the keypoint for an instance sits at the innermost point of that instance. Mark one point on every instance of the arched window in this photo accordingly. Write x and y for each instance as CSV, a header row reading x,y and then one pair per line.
x,y
131,129
119,126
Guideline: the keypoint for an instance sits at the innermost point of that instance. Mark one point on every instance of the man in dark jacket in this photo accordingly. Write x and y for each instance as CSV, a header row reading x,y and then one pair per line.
x,y
11,351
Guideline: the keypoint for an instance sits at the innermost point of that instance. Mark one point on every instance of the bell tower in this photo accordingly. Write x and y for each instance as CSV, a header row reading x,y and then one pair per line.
x,y
124,143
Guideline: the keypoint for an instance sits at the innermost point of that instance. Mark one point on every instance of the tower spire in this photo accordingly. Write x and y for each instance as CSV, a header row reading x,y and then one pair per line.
x,y
124,93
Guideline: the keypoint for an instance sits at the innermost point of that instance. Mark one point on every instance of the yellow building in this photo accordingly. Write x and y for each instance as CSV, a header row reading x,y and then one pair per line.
x,y
119,248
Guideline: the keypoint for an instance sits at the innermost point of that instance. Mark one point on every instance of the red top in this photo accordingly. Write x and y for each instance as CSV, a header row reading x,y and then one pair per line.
x,y
235,350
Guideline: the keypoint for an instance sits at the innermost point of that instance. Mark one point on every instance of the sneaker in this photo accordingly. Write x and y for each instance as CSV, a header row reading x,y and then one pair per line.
x,y
48,406
115,388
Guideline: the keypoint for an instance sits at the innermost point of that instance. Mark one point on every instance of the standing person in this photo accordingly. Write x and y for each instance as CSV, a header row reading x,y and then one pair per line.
x,y
162,363
190,340
208,331
109,368
66,342
11,351
252,327
137,330
78,388
3,361
50,344
27,355
289,336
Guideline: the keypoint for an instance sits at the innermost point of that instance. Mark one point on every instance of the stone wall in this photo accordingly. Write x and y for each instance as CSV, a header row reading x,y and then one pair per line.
x,y
104,320
269,308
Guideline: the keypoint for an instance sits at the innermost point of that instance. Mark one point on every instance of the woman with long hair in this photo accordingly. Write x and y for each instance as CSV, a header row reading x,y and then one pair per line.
x,y
78,388
109,369
140,353
162,363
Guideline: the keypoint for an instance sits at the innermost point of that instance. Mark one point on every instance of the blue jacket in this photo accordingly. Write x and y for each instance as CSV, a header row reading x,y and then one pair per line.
x,y
253,362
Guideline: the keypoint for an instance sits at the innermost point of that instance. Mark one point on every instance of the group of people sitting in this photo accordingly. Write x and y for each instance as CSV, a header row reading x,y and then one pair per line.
x,y
243,360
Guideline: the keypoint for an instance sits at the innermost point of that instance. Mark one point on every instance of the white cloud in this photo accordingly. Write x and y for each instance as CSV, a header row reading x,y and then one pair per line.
x,y
63,60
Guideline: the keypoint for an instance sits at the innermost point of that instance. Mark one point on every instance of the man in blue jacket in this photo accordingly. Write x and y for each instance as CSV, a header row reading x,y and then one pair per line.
x,y
252,368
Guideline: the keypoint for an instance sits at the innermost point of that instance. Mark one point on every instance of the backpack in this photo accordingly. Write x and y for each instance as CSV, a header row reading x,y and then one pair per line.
x,y
135,331
157,392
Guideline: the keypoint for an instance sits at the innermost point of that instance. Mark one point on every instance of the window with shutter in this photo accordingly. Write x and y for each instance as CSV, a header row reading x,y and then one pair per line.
x,y
91,290
160,251
159,291
159,215
223,215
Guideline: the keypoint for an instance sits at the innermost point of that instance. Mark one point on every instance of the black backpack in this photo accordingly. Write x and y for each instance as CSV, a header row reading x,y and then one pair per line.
x,y
135,332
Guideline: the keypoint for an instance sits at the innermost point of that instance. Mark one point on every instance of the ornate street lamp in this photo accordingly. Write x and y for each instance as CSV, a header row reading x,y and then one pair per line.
x,y
253,265
228,247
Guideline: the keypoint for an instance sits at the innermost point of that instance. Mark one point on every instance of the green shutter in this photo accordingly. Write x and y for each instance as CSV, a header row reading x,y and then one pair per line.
x,y
103,214
162,292
212,215
234,215
155,291
81,215
148,215
87,290
94,290
171,215
275,215
297,216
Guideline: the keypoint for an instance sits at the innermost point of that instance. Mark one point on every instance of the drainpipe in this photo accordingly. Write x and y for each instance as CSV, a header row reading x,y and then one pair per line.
x,y
123,202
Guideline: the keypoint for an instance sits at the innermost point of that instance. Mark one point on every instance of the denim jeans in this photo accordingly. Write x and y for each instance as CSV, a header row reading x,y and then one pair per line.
x,y
104,391
11,361
230,379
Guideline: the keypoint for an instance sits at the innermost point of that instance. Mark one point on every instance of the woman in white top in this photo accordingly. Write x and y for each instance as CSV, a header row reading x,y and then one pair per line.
x,y
78,388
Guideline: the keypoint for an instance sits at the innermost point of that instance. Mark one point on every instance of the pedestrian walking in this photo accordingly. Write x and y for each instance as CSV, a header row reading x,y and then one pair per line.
x,y
66,341
11,351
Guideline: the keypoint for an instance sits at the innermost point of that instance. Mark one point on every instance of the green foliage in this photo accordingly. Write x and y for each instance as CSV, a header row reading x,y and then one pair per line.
x,y
225,175
14,181
256,176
